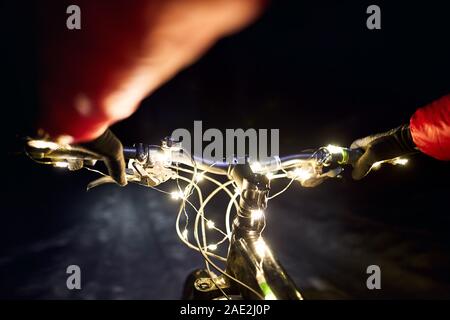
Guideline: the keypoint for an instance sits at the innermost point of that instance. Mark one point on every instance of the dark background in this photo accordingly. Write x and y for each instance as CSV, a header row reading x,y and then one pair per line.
x,y
311,69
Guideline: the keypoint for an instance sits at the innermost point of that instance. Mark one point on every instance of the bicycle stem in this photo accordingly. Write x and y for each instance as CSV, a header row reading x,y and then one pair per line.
x,y
249,259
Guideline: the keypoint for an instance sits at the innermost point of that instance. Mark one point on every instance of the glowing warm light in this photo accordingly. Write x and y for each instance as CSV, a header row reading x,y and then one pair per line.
x,y
198,177
212,247
176,195
269,175
185,234
61,164
400,161
64,139
41,144
219,280
257,214
302,174
334,149
376,165
260,247
237,190
210,224
256,167
162,157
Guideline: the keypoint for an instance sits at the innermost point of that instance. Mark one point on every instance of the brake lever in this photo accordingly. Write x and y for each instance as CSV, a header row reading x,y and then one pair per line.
x,y
145,178
148,176
135,173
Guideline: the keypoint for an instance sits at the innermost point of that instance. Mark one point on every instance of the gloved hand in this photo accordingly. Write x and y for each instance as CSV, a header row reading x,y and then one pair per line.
x,y
380,147
109,147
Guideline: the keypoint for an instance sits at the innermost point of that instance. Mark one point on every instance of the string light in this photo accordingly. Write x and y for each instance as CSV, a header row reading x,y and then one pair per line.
x,y
260,247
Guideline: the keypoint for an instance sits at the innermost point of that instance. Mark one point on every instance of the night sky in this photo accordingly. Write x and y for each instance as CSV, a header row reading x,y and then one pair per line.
x,y
311,69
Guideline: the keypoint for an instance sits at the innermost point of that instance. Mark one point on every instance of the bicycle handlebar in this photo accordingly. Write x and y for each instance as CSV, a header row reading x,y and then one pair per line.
x,y
150,155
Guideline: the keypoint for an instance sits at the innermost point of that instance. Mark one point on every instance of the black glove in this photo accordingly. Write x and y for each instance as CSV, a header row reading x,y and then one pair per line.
x,y
109,147
382,146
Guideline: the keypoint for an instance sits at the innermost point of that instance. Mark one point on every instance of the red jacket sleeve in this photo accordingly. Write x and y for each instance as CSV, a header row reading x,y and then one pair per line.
x,y
95,76
430,128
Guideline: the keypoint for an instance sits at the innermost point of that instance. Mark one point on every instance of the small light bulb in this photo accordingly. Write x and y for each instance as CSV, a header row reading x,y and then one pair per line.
x,y
401,161
42,144
212,247
376,165
176,195
256,167
199,177
260,247
185,234
269,175
61,164
302,174
334,149
237,190
210,224
257,214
